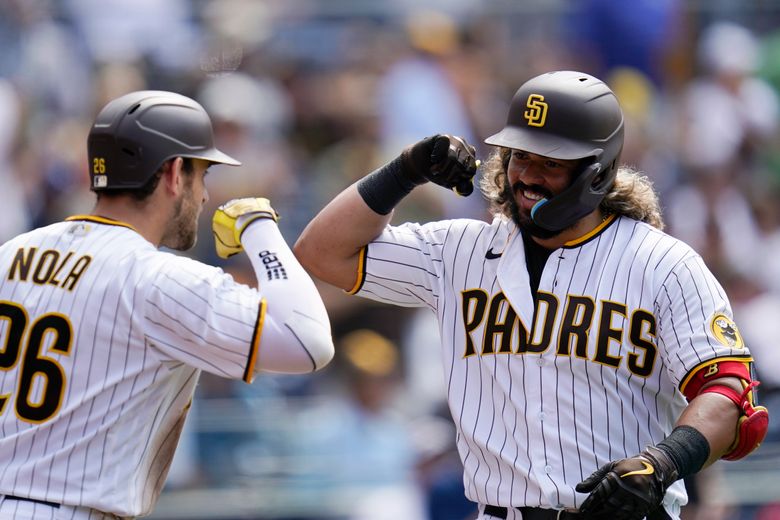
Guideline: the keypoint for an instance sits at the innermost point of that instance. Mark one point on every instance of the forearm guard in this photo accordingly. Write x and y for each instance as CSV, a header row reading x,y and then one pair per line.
x,y
754,420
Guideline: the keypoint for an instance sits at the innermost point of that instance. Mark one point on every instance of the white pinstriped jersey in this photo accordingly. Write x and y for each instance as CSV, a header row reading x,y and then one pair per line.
x,y
541,399
102,339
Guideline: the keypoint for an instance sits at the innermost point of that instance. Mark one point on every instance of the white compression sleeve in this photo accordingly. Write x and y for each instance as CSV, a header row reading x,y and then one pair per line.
x,y
296,335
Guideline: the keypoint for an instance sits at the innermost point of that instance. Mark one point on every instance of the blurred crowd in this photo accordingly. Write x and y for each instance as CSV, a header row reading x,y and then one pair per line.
x,y
311,95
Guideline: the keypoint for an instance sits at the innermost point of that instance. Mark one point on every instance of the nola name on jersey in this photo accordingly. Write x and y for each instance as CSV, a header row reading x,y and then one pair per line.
x,y
48,267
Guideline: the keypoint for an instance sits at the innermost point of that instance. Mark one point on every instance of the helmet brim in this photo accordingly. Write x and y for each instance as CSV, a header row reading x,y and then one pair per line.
x,y
216,156
541,143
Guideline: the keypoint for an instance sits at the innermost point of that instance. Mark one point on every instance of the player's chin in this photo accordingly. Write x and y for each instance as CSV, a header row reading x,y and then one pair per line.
x,y
183,240
189,240
190,244
522,217
533,229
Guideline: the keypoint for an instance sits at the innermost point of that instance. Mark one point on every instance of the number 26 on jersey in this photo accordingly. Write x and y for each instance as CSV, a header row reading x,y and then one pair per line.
x,y
24,345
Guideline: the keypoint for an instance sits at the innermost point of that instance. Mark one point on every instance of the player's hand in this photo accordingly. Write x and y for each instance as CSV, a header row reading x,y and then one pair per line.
x,y
445,160
232,218
628,489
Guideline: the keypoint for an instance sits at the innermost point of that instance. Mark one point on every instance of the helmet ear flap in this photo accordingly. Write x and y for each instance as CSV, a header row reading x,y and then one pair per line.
x,y
603,181
571,204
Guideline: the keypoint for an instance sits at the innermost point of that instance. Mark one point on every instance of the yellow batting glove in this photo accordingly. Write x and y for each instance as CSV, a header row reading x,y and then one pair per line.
x,y
224,224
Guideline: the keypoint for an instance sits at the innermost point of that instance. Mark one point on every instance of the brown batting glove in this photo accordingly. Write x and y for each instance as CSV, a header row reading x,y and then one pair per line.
x,y
628,489
445,160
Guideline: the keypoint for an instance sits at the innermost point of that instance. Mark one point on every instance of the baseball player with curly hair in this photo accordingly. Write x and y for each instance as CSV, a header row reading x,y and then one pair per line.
x,y
591,360
104,335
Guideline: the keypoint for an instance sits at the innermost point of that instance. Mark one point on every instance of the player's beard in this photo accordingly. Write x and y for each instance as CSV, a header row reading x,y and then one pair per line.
x,y
523,218
182,232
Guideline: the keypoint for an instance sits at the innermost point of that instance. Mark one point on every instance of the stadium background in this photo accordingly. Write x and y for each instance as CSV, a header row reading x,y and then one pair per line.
x,y
311,95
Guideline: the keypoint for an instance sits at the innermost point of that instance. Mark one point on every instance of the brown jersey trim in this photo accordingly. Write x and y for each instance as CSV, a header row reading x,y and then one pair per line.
x,y
249,373
590,235
361,274
100,220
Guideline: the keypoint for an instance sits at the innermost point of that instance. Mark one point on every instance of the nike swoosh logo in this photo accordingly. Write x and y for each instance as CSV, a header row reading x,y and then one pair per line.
x,y
649,470
490,255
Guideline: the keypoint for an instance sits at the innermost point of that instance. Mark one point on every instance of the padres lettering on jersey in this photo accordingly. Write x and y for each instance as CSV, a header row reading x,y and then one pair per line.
x,y
544,391
576,325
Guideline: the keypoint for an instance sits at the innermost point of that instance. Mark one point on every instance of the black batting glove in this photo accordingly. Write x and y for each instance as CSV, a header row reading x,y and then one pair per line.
x,y
448,161
628,489
445,160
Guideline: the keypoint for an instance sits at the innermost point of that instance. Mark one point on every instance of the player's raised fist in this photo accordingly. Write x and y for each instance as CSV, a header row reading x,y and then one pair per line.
x,y
232,218
445,160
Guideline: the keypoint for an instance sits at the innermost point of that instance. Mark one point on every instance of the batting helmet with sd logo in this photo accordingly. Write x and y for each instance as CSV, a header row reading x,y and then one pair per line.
x,y
567,115
135,134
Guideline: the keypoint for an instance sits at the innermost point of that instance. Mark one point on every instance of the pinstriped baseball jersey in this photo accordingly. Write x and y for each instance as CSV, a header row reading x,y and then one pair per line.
x,y
545,390
103,338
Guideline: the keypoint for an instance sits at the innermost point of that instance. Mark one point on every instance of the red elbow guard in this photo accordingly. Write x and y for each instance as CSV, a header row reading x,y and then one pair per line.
x,y
753,423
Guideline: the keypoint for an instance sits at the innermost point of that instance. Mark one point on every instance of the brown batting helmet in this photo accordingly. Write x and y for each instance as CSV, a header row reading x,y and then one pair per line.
x,y
567,115
135,134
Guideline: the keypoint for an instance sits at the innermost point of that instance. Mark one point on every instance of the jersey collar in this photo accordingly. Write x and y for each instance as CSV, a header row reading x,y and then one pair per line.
x,y
590,235
101,220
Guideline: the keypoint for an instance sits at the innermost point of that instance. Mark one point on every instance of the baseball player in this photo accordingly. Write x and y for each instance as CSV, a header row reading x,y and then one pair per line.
x,y
104,335
591,360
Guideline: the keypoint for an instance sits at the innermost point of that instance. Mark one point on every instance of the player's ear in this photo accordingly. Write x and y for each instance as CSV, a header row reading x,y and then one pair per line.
x,y
172,177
